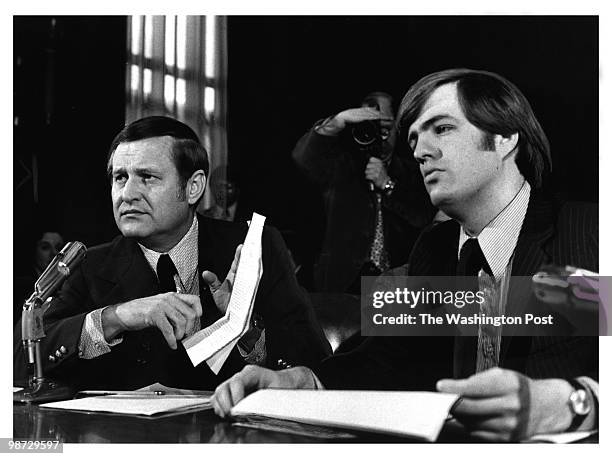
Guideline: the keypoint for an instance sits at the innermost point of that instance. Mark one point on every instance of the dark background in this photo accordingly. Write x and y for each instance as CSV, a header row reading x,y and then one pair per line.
x,y
284,74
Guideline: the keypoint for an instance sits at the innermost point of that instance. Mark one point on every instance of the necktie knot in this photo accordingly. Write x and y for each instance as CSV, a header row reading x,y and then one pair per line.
x,y
165,274
471,259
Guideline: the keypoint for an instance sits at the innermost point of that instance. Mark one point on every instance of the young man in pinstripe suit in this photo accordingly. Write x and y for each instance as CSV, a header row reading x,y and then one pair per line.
x,y
483,156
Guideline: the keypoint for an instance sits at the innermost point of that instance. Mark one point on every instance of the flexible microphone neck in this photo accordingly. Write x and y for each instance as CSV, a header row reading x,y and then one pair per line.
x,y
59,269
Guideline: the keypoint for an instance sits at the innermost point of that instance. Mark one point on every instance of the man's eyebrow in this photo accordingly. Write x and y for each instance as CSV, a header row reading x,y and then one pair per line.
x,y
137,171
427,124
145,171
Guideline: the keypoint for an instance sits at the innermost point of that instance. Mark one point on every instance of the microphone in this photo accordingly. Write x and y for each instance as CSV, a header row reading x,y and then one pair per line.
x,y
32,330
59,269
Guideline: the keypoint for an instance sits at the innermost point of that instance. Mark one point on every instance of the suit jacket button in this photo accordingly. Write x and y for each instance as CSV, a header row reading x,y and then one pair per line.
x,y
63,350
51,358
58,354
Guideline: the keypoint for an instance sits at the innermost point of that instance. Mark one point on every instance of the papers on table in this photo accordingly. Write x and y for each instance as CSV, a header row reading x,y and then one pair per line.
x,y
149,401
413,414
215,342
133,404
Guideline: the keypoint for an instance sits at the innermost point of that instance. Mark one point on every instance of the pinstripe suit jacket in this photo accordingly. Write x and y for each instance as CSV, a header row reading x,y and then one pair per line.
x,y
551,233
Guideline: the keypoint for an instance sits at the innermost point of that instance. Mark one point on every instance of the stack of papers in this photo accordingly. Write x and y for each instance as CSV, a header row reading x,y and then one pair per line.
x,y
418,415
133,404
214,343
151,400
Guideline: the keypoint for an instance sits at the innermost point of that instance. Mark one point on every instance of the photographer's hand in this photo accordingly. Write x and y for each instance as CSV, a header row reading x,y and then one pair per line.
x,y
376,172
336,124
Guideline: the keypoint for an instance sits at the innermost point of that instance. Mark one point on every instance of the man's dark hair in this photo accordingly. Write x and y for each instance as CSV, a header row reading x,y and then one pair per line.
x,y
495,106
188,154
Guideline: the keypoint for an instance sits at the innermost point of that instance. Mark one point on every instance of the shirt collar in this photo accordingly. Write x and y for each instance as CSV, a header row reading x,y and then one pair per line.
x,y
184,254
498,239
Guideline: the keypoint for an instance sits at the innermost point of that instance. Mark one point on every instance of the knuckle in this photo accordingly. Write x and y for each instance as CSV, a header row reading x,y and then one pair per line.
x,y
515,382
511,423
497,371
514,405
247,370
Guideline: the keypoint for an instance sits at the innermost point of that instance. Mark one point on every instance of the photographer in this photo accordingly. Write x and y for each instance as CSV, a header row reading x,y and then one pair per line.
x,y
375,201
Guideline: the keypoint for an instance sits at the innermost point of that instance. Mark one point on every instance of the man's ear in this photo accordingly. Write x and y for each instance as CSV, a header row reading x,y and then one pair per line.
x,y
195,186
506,145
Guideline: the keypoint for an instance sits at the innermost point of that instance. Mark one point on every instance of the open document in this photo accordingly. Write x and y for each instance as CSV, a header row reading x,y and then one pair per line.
x,y
413,414
215,342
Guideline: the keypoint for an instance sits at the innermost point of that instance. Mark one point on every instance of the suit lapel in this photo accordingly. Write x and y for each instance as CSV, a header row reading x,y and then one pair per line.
x,y
537,229
436,253
206,261
530,254
531,250
127,269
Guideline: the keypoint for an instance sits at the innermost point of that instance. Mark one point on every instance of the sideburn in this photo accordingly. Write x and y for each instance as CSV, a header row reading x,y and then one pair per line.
x,y
487,142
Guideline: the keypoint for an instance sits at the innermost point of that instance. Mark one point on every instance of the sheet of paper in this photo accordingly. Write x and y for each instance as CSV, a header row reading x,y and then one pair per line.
x,y
212,342
414,414
216,361
567,437
132,404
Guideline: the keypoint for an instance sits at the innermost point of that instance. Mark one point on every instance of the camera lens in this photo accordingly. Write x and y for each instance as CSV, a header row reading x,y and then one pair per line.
x,y
366,132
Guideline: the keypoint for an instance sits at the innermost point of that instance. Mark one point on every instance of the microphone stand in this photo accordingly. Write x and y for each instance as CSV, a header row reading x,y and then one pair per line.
x,y
41,389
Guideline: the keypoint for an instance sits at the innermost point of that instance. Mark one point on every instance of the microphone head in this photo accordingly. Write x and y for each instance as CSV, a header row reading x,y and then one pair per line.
x,y
70,256
59,269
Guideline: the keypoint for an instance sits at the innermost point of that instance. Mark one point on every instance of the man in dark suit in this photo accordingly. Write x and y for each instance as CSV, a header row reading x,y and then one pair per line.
x,y
118,321
483,155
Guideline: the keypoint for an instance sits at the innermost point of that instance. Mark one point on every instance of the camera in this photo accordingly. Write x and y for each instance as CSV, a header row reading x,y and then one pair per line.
x,y
367,132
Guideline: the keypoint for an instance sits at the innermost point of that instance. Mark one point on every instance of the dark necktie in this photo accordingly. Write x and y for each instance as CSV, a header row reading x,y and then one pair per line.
x,y
165,273
471,261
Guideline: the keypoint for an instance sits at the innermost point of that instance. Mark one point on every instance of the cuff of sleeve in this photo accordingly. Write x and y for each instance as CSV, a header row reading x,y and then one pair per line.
x,y
92,343
322,128
257,355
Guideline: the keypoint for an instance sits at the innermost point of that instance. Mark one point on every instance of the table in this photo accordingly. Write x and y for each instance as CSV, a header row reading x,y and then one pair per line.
x,y
31,422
